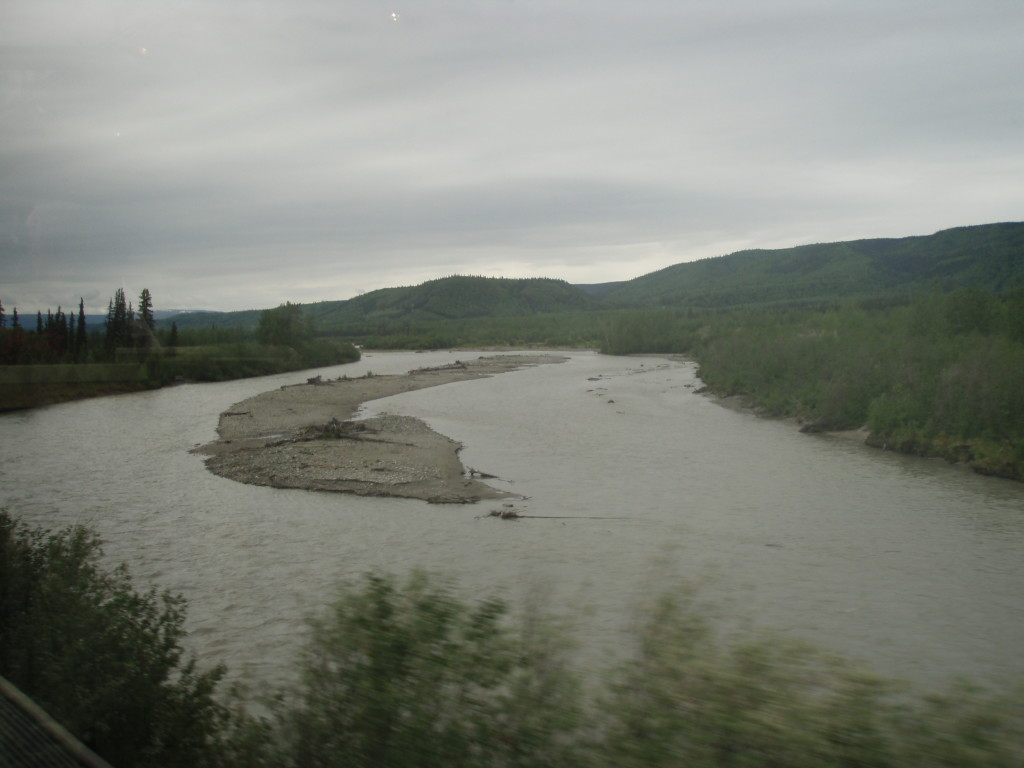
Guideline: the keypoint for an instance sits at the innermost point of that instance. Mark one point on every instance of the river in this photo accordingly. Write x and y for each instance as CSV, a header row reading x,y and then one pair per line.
x,y
911,566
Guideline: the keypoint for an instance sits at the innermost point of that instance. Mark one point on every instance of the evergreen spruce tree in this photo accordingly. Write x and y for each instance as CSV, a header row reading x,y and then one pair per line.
x,y
108,338
81,338
39,323
60,327
15,320
173,341
71,335
123,316
146,309
117,322
3,317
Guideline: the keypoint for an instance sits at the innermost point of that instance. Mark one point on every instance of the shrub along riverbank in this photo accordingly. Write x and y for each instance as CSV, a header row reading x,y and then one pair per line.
x,y
405,673
31,386
938,375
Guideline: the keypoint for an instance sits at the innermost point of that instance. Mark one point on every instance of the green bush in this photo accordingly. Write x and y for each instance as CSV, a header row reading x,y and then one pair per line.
x,y
103,659
690,698
408,675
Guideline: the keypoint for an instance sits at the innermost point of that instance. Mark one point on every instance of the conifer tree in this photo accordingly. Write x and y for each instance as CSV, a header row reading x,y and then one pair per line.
x,y
117,322
39,322
15,320
3,317
108,339
146,309
57,332
81,338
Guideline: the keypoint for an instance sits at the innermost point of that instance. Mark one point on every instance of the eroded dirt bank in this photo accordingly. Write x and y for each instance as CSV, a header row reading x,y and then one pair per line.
x,y
302,436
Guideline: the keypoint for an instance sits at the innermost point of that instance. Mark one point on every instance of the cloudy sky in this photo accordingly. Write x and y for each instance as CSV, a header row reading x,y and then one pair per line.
x,y
231,155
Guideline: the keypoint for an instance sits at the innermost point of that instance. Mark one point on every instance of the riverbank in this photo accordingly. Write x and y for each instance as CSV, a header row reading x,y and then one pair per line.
x,y
25,386
33,386
303,437
984,457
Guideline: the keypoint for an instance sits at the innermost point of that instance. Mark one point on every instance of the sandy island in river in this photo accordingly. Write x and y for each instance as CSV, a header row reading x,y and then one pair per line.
x,y
302,436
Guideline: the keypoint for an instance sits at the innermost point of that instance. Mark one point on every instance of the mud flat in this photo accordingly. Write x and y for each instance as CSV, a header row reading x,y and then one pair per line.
x,y
303,436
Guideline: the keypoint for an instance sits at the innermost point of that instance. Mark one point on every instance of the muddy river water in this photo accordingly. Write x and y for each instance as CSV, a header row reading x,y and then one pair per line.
x,y
639,484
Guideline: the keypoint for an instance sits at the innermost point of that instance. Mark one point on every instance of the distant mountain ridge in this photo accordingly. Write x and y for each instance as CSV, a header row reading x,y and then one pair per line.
x,y
988,256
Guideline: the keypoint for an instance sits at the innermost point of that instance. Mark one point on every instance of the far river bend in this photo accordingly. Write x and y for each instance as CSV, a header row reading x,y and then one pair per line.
x,y
909,565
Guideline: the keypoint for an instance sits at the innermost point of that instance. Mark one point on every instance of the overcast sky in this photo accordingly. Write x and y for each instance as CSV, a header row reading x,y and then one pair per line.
x,y
232,154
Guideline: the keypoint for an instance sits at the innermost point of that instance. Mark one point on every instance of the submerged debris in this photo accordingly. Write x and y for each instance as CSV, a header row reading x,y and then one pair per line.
x,y
337,430
504,514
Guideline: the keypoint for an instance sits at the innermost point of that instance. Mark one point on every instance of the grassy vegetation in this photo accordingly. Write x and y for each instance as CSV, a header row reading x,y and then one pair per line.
x,y
406,673
221,362
579,330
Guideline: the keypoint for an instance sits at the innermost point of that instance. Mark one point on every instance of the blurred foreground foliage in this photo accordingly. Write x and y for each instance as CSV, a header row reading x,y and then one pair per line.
x,y
405,673
103,659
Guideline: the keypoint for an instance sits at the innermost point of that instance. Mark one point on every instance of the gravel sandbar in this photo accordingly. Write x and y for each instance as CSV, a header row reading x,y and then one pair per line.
x,y
302,436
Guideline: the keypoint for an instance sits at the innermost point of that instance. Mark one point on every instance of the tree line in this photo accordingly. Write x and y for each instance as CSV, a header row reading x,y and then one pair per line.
x,y
403,672
65,338
148,356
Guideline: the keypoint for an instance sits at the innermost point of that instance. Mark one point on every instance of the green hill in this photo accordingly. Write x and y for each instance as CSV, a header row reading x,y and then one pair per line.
x,y
989,256
452,298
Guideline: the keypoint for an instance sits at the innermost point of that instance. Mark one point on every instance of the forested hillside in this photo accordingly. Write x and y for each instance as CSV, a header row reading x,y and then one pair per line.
x,y
454,298
988,257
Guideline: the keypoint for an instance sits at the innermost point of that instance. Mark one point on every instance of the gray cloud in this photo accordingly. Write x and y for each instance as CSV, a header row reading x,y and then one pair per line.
x,y
231,155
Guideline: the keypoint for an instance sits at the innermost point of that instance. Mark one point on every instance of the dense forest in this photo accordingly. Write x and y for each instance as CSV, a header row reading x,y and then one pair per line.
x,y
407,673
60,358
